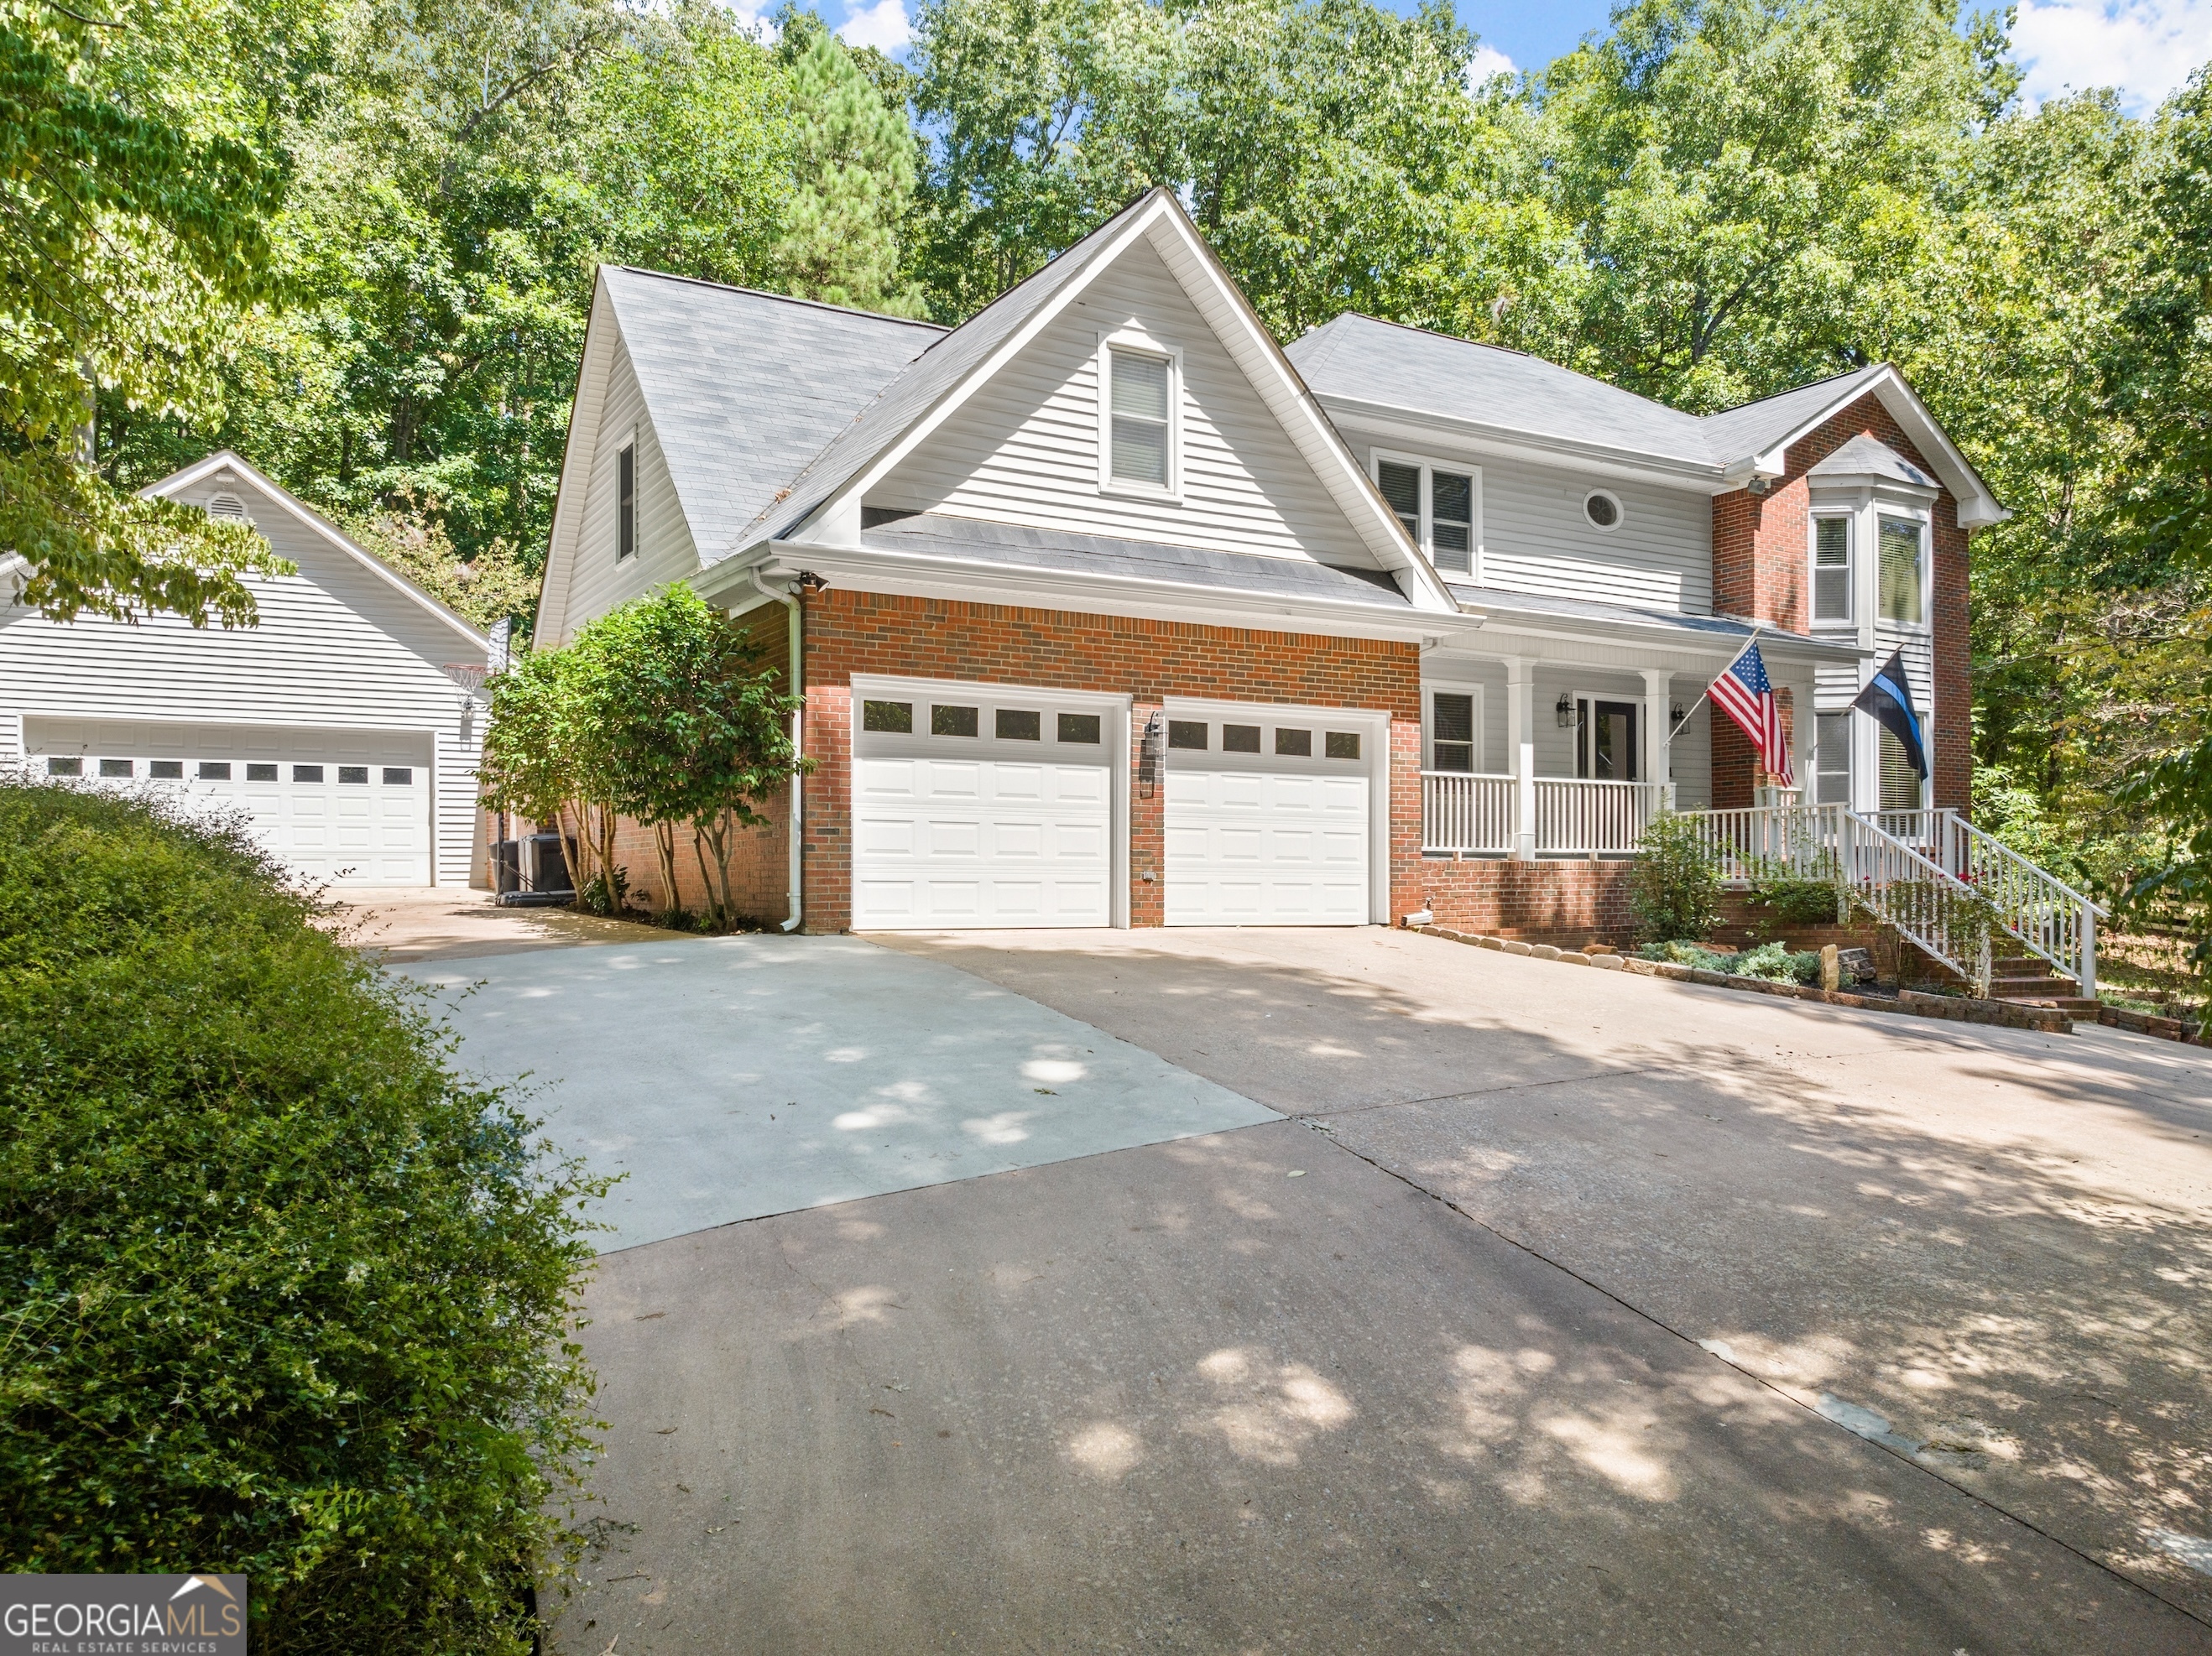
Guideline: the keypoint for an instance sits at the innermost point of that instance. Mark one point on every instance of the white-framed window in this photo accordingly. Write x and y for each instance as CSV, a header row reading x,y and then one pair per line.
x,y
1832,568
1901,594
1832,759
1603,510
1139,433
1452,733
626,502
1440,504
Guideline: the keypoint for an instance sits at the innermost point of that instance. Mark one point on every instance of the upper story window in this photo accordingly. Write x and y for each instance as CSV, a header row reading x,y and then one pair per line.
x,y
626,502
1439,506
1140,419
1904,571
1831,569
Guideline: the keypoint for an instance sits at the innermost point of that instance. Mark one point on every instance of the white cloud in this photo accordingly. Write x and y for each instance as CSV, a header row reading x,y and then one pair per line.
x,y
882,26
2144,47
1488,61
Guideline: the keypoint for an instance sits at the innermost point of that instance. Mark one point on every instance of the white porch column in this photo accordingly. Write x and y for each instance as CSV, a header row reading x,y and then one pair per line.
x,y
1521,752
1656,760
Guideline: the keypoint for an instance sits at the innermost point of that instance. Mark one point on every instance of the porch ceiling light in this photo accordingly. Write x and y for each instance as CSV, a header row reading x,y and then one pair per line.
x,y
1565,710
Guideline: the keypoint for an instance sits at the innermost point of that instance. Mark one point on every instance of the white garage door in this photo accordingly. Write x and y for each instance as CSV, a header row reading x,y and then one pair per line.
x,y
982,807
1266,821
339,807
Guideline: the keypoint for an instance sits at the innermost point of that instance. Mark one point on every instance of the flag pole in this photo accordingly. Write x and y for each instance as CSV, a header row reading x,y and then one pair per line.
x,y
1756,627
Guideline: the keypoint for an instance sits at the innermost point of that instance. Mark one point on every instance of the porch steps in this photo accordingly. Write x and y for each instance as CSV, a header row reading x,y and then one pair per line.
x,y
2030,976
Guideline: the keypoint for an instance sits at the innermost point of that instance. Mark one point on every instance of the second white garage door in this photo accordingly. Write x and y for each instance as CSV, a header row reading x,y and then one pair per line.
x,y
980,806
1266,821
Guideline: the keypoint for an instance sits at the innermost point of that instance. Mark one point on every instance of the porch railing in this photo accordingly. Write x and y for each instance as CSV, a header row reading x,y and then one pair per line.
x,y
1467,813
1931,874
1586,818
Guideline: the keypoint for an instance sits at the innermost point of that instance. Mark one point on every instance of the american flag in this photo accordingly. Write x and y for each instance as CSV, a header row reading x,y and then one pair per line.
x,y
1745,694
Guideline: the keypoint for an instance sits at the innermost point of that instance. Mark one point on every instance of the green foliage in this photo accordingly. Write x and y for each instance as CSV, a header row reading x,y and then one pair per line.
x,y
1770,963
285,1293
1675,891
133,236
659,710
1798,900
853,163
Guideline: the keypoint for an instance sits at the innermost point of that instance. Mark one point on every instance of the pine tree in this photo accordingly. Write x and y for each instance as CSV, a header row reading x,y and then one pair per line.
x,y
855,166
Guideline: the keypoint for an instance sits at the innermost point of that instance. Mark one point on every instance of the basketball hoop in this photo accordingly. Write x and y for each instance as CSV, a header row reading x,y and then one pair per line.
x,y
469,675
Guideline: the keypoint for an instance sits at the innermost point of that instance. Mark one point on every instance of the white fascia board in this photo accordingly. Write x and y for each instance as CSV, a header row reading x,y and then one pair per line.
x,y
308,517
836,520
1978,507
1305,422
962,580
585,412
1662,635
1601,459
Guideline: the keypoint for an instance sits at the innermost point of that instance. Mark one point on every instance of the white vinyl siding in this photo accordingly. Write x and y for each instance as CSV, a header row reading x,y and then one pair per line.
x,y
601,577
1025,448
337,647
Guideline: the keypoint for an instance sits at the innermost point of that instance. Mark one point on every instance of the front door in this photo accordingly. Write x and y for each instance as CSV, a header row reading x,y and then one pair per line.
x,y
1605,751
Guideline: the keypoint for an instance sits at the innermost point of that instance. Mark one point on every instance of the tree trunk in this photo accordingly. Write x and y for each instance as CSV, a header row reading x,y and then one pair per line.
x,y
716,907
664,845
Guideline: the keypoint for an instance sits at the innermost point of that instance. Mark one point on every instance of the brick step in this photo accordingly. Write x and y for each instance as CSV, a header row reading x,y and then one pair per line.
x,y
2031,988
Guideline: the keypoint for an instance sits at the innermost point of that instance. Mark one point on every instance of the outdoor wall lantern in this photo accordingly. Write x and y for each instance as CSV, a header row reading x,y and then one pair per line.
x,y
1565,711
1674,715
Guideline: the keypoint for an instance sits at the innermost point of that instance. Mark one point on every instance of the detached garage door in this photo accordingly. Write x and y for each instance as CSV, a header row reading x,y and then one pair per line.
x,y
1266,821
339,807
988,807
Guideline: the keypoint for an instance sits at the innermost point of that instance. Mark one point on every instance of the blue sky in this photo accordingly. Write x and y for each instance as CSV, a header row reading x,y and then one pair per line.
x,y
2144,47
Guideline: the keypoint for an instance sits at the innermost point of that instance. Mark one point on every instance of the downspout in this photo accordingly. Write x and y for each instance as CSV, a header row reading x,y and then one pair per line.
x,y
796,638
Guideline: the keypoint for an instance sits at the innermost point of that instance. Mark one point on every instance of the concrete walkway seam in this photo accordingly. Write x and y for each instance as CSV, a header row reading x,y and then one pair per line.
x,y
1890,1449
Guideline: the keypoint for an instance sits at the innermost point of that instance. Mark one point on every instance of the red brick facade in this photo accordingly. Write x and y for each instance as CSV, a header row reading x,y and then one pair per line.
x,y
1567,903
1761,570
849,632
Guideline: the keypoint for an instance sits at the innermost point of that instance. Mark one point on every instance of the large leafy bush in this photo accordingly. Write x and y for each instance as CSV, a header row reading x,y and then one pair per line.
x,y
283,1295
1675,891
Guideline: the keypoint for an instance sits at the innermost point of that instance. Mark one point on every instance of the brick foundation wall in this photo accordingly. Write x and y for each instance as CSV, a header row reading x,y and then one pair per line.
x,y
849,632
1563,903
1760,572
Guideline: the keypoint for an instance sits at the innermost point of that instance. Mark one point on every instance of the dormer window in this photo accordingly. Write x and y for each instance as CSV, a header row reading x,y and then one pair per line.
x,y
1831,569
1140,442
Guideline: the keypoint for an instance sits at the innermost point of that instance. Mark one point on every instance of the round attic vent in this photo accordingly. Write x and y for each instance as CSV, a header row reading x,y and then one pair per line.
x,y
1602,507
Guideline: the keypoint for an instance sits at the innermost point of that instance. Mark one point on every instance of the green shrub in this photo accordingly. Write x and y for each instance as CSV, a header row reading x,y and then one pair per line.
x,y
1676,890
284,1294
1770,961
1797,901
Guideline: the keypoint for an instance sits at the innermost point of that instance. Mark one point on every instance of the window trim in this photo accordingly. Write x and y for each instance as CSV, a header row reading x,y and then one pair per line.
x,y
1925,522
1425,542
1814,519
1430,687
1136,342
1851,745
1619,511
626,500
1584,697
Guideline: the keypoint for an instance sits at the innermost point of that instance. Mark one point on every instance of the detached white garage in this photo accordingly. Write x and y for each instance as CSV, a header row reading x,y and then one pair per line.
x,y
332,727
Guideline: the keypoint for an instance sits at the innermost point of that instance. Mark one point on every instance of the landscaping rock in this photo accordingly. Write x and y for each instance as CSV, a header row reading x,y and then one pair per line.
x,y
1573,957
1608,962
1544,951
1513,947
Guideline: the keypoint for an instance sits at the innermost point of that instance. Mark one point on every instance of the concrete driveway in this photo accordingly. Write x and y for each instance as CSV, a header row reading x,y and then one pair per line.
x,y
1568,1311
724,1078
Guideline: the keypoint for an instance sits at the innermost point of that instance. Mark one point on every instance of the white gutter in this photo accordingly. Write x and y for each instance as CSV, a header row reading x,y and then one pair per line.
x,y
796,637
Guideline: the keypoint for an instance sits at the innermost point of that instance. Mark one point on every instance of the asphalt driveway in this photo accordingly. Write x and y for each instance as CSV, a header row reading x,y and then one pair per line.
x,y
1541,1308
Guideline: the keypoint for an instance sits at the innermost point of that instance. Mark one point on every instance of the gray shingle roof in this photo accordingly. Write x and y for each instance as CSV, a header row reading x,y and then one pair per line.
x,y
1717,629
1869,457
744,387
932,535
876,425
1358,359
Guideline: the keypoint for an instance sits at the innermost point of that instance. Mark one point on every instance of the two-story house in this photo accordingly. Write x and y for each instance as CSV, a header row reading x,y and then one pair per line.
x,y
1109,612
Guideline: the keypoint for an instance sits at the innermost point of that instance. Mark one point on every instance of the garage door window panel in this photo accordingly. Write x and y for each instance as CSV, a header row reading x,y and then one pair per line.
x,y
893,718
1018,725
1240,738
1188,734
1081,729
1294,743
952,721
